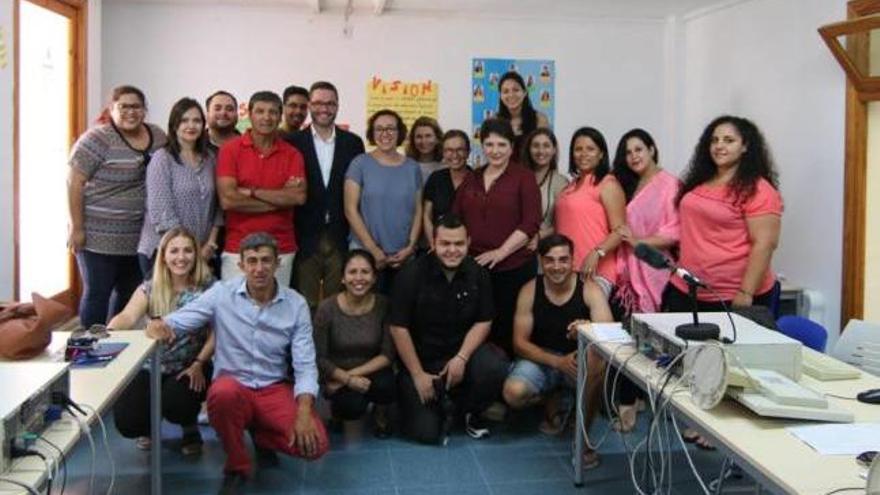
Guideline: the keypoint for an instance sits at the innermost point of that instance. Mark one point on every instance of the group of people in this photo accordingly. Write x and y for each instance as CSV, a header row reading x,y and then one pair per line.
x,y
380,277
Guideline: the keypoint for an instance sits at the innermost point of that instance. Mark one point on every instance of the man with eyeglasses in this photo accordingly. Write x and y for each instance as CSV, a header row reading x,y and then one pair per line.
x,y
321,227
441,313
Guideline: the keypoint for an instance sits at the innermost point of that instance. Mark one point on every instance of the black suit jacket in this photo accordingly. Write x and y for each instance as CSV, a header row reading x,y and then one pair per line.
x,y
323,201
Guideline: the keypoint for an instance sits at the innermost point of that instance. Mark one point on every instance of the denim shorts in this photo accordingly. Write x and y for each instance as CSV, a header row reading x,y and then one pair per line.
x,y
539,378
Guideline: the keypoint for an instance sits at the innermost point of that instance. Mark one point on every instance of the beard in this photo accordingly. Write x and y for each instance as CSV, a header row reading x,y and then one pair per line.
x,y
225,129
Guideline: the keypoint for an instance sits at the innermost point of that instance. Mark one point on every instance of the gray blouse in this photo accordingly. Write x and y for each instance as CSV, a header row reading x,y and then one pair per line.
x,y
179,195
346,341
113,197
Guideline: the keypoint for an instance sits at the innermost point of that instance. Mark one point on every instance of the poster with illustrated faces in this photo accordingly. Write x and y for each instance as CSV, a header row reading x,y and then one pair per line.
x,y
539,77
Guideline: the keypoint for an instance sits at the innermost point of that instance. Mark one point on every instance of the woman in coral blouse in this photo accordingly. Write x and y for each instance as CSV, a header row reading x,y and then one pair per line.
x,y
591,208
730,211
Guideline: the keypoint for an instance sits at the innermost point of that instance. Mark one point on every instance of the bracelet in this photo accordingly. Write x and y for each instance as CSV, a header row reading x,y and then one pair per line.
x,y
601,251
745,293
460,356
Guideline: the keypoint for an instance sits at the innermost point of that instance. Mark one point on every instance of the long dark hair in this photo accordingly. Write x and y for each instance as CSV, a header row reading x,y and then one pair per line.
x,y
755,163
528,114
602,168
526,153
182,106
628,179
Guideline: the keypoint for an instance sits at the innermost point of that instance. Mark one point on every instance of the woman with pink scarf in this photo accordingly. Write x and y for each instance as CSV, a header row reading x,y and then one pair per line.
x,y
651,218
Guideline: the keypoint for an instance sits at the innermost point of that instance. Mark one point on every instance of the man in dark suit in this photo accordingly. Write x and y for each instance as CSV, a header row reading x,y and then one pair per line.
x,y
321,228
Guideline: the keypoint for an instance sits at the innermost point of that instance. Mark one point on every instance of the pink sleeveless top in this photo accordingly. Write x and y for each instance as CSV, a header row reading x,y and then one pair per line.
x,y
581,217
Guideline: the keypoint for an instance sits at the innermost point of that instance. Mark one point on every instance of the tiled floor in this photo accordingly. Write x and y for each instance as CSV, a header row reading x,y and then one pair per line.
x,y
516,460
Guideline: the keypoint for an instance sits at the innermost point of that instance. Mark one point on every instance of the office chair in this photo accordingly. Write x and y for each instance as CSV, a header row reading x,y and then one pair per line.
x,y
808,332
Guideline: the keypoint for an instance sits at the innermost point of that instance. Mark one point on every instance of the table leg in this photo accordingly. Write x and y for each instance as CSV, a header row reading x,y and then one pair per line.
x,y
156,421
579,416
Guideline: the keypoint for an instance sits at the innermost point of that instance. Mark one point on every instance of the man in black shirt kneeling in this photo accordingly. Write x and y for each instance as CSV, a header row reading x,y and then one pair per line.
x,y
441,313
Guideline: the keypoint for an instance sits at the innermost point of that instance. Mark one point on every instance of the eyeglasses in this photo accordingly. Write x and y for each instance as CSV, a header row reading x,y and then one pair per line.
x,y
129,107
457,151
385,130
323,104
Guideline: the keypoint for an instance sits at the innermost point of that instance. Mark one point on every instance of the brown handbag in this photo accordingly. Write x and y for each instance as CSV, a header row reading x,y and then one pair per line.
x,y
26,328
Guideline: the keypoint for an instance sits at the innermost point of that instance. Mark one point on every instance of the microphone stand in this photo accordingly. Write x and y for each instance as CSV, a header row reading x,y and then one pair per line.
x,y
696,330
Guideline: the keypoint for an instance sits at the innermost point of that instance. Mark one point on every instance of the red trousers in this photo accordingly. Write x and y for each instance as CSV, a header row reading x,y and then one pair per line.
x,y
269,413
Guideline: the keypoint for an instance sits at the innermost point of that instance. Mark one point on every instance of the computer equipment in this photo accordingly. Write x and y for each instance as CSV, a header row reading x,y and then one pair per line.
x,y
825,368
869,396
783,390
755,346
763,366
763,405
859,345
27,396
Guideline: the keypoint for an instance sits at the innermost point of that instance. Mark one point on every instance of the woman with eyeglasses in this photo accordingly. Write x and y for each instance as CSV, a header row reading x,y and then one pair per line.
x,y
106,198
440,188
180,186
383,198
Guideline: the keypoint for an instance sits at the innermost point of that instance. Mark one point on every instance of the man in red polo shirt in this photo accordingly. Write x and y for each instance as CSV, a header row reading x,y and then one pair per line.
x,y
260,179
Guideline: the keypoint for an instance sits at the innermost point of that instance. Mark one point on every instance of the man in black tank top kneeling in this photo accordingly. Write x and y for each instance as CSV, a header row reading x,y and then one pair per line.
x,y
544,339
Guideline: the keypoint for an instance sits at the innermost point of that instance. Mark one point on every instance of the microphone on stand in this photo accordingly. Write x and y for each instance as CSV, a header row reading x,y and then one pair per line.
x,y
653,257
688,331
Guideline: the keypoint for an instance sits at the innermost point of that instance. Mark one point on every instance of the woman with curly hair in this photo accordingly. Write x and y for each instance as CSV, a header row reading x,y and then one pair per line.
x,y
730,211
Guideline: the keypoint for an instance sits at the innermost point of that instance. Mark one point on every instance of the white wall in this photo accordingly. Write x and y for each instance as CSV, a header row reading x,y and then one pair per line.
x,y
6,115
611,72
763,59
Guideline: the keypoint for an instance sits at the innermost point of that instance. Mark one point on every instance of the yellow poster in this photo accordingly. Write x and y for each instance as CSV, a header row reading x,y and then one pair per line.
x,y
411,99
3,54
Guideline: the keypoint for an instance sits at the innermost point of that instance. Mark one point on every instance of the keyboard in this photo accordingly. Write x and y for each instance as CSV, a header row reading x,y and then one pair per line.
x,y
825,368
785,391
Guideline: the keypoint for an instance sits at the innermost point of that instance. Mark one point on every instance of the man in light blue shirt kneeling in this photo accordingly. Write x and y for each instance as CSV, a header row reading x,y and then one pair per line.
x,y
260,326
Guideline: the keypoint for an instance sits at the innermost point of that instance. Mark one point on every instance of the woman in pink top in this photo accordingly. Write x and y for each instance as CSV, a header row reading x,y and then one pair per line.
x,y
591,207
730,211
651,218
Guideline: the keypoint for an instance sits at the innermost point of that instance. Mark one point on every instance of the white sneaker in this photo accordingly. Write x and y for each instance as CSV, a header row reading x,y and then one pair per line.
x,y
474,426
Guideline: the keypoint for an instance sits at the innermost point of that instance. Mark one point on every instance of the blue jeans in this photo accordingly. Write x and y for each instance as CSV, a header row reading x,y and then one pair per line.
x,y
108,282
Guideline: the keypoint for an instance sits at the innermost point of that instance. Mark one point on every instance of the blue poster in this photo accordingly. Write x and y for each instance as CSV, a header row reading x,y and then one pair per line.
x,y
539,76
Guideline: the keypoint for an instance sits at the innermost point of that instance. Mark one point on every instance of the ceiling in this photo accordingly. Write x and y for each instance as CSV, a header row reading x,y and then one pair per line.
x,y
639,9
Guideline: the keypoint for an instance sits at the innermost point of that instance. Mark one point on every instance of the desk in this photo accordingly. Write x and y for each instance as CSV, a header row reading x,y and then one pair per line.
x,y
760,446
98,388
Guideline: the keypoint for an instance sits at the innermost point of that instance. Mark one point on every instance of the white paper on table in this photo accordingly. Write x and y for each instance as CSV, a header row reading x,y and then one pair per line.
x,y
610,332
839,439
